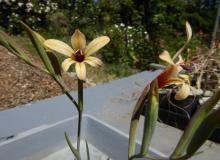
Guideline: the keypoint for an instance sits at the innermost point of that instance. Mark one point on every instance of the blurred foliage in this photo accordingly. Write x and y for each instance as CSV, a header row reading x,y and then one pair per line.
x,y
139,29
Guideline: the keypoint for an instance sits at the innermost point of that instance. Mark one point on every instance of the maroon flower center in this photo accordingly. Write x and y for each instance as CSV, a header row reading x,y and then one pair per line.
x,y
78,56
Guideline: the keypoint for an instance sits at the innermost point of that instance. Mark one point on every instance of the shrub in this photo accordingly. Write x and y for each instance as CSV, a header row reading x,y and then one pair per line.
x,y
34,13
129,45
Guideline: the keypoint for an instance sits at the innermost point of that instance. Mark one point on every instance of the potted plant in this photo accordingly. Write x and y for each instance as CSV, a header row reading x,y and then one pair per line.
x,y
200,74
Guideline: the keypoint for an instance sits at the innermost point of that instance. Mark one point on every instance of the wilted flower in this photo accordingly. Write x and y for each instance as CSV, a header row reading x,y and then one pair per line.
x,y
80,53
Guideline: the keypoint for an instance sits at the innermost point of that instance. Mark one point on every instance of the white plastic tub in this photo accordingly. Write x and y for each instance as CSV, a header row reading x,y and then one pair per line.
x,y
40,142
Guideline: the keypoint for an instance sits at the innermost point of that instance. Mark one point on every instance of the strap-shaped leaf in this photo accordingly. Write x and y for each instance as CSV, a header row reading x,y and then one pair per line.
x,y
73,149
16,48
204,131
8,43
135,120
151,115
3,40
87,150
194,124
55,63
39,48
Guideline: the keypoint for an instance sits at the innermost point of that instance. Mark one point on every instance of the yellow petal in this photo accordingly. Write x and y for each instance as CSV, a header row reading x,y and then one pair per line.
x,y
189,36
96,44
59,47
183,92
169,72
180,60
67,63
184,77
174,80
188,31
78,40
165,56
80,70
93,61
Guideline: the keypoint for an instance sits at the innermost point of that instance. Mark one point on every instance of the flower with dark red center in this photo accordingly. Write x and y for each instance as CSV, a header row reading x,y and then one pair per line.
x,y
78,56
80,53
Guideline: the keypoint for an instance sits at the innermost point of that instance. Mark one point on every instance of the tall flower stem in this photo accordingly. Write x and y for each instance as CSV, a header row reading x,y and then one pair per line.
x,y
80,110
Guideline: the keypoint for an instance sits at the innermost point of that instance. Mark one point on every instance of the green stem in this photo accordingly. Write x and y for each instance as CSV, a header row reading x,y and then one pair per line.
x,y
79,131
151,115
80,110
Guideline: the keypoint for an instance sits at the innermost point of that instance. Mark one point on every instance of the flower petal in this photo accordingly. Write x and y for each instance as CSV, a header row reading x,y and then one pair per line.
x,y
67,63
184,77
183,92
80,70
93,61
174,80
96,44
170,71
165,56
188,31
189,36
180,60
59,47
78,40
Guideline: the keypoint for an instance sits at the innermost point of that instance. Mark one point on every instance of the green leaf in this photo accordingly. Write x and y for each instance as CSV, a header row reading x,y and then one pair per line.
x,y
204,131
73,149
15,48
135,120
55,63
3,40
194,124
87,150
39,48
9,43
151,116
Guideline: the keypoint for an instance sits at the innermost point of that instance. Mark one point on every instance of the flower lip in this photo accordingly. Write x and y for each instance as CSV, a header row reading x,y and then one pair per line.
x,y
187,67
78,56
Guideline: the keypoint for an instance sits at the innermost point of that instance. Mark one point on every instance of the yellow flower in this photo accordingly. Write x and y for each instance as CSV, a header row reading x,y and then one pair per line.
x,y
79,54
172,75
180,80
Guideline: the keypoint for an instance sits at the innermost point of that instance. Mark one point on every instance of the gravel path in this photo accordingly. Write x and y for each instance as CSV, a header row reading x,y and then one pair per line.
x,y
21,83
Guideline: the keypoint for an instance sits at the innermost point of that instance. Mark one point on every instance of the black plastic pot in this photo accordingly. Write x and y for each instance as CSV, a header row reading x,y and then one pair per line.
x,y
178,113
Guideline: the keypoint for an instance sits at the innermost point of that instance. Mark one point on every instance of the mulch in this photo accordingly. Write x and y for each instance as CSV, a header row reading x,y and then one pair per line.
x,y
21,83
